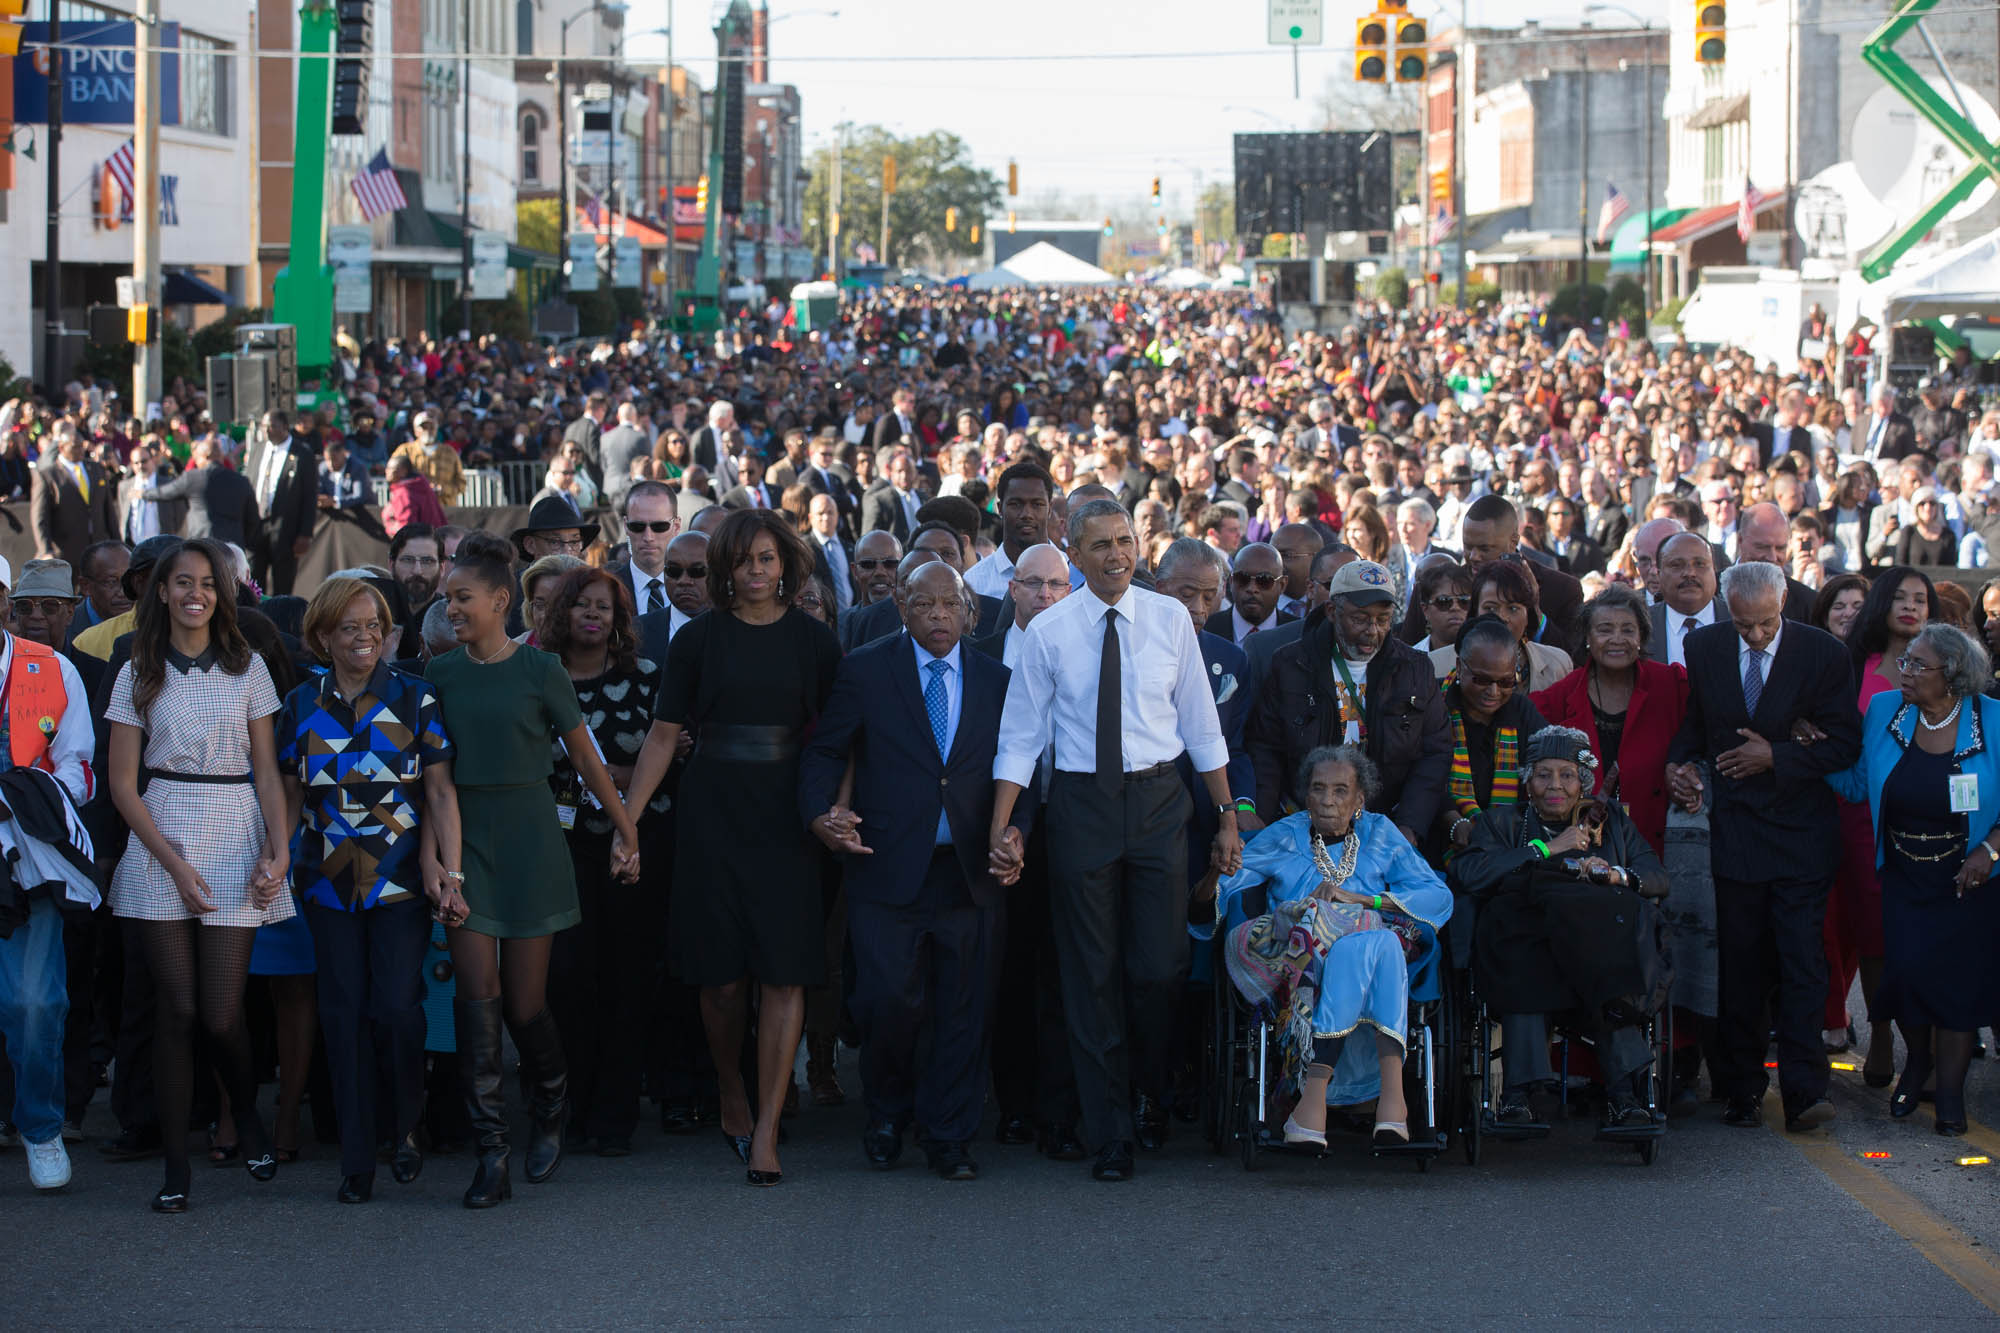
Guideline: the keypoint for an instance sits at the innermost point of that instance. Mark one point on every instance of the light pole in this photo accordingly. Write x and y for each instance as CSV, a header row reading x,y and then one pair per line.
x,y
1649,116
562,126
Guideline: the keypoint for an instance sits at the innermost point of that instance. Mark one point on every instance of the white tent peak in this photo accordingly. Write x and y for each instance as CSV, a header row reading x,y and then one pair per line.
x,y
1042,265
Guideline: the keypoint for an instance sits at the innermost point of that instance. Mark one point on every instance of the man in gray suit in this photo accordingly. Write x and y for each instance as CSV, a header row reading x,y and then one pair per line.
x,y
218,503
1688,599
620,445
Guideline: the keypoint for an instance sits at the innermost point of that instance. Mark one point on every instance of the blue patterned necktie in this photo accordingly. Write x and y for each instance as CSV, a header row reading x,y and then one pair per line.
x,y
936,705
1753,680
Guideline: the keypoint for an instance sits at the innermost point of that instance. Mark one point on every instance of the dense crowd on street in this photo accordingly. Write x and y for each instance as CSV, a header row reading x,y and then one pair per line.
x,y
974,683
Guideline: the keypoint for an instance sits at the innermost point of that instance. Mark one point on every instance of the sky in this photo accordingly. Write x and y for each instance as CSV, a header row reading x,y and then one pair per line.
x,y
1092,98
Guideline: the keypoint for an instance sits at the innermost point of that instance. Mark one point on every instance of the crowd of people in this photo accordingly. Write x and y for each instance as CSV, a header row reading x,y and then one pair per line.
x,y
939,679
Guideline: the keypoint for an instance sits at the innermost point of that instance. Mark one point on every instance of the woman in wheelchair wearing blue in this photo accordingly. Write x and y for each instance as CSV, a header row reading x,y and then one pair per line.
x,y
1351,905
1567,925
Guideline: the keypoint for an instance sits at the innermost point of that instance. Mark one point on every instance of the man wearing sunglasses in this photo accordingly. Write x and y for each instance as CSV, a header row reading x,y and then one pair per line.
x,y
1256,582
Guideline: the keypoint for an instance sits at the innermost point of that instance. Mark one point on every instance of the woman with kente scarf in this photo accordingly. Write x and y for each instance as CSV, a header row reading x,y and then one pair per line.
x,y
1491,718
1341,853
1567,924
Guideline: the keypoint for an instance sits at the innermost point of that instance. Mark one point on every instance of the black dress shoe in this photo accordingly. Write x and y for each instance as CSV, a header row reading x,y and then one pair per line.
x,y
678,1117
408,1163
952,1162
1114,1162
1685,1101
1812,1115
132,1145
882,1143
609,1146
1059,1142
1744,1113
356,1189
1149,1118
1623,1116
1014,1129
166,1202
738,1144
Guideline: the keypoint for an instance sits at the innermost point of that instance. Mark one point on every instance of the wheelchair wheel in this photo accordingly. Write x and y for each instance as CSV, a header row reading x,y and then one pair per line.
x,y
1249,1120
1478,1068
1221,1073
1649,1150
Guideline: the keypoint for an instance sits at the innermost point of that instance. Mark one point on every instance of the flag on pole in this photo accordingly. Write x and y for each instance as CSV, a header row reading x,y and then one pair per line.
x,y
376,189
1442,224
119,164
1613,211
593,209
1746,211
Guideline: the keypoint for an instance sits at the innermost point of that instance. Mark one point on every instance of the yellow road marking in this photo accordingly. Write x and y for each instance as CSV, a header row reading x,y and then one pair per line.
x,y
1977,1135
1951,1250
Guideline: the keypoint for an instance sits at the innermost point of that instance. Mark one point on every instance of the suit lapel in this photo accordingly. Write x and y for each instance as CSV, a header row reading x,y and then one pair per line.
x,y
903,671
972,685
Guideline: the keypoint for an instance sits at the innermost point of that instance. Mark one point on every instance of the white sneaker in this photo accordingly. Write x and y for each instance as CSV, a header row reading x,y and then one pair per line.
x,y
48,1164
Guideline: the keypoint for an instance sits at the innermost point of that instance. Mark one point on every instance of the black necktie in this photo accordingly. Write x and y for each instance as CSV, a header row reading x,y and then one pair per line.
x,y
1110,724
652,595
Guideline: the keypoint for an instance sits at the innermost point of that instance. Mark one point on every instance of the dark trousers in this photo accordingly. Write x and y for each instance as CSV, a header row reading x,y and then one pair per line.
x,y
132,1097
371,1008
1118,894
598,970
273,564
925,968
1772,958
1032,1071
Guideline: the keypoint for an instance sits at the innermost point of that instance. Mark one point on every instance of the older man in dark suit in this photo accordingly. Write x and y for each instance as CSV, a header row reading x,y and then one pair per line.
x,y
73,501
283,472
1774,832
919,718
217,502
934,541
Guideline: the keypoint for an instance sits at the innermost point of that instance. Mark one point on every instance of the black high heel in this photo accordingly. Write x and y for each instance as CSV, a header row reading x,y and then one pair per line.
x,y
757,1177
1908,1092
740,1145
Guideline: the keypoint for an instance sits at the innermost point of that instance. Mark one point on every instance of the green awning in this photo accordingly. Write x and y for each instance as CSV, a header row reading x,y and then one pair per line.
x,y
446,235
1628,243
520,256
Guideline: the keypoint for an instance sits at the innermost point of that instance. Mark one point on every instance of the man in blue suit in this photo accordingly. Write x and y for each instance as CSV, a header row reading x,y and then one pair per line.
x,y
919,716
1191,572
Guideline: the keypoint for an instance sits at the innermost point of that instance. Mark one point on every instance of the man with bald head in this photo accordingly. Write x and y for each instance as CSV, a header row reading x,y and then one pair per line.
x,y
1257,580
1297,543
932,541
1041,578
1764,533
923,905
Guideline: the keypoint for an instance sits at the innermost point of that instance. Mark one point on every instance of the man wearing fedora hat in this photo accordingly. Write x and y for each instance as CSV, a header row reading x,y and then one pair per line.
x,y
554,528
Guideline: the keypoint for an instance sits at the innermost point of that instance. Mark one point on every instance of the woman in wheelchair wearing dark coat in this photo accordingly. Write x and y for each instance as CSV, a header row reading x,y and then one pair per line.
x,y
1567,888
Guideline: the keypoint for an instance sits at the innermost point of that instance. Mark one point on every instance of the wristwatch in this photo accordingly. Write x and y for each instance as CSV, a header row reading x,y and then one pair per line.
x,y
1987,843
1228,809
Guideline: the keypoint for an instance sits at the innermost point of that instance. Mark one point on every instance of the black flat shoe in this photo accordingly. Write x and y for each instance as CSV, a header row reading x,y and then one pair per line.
x,y
1014,1129
263,1168
1908,1094
756,1177
738,1144
1059,1143
132,1145
164,1202
1951,1129
356,1189
678,1117
1114,1162
408,1162
1744,1113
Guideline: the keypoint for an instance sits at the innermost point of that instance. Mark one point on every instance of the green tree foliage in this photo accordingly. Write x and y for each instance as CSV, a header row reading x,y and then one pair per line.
x,y
934,172
1393,286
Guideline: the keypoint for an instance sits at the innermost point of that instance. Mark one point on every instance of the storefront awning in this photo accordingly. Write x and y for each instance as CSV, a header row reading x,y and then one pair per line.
x,y
649,237
184,288
1720,111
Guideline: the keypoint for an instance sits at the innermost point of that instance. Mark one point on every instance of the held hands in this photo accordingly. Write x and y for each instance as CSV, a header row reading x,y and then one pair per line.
x,y
840,829
1007,856
1746,760
1228,848
1978,868
1684,785
1575,838
268,879
625,855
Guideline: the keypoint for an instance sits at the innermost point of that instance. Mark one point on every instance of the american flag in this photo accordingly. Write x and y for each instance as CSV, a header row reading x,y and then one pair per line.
x,y
593,209
1615,207
1746,211
376,189
1442,224
119,164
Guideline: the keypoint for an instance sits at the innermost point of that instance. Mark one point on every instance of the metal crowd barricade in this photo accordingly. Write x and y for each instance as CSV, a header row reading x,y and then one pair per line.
x,y
520,479
487,488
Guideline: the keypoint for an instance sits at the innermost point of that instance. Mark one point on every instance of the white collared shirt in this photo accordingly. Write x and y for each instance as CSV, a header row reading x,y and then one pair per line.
x,y
1241,629
1165,703
1010,647
990,575
1770,652
1678,630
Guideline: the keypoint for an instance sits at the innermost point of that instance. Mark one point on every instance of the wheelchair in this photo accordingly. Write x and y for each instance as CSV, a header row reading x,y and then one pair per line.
x,y
1478,1092
1243,1062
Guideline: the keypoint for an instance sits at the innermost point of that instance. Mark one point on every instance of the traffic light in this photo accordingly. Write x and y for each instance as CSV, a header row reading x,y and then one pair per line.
x,y
888,175
1108,229
1013,179
1156,192
1371,49
974,237
1413,56
951,219
701,196
1711,21
10,33
1440,186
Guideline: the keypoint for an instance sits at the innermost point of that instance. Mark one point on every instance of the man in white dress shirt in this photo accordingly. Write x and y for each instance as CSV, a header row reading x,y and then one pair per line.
x,y
829,551
1114,677
1025,493
1687,596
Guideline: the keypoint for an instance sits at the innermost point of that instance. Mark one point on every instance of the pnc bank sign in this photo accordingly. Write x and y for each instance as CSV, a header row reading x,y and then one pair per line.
x,y
95,68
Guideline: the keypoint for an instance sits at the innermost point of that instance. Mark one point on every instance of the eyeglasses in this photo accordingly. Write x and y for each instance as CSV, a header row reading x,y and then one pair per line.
x,y
809,600
1451,601
686,571
884,563
1489,682
562,543
1910,666
1036,586
657,525
1243,579
50,607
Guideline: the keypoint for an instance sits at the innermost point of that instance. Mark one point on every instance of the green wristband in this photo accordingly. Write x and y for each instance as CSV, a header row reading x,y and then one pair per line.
x,y
1540,847
1245,806
1378,902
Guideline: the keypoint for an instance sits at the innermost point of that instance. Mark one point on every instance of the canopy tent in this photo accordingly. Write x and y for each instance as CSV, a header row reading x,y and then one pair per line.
x,y
1964,281
1041,265
1182,279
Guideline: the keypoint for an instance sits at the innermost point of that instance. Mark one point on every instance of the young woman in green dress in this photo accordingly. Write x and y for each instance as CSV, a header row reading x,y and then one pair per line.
x,y
508,702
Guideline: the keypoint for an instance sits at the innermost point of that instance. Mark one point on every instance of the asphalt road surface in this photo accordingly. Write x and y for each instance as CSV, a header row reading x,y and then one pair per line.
x,y
1728,1228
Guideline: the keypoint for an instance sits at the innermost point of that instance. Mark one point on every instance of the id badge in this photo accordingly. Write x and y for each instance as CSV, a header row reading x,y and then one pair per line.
x,y
566,815
1964,793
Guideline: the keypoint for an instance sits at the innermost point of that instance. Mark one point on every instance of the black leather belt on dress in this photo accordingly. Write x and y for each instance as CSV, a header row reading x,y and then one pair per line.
x,y
746,744
1136,775
166,776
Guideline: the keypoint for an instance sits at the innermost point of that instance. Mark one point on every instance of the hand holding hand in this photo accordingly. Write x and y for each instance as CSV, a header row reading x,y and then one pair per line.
x,y
1228,850
1007,856
839,829
624,858
1684,785
1746,760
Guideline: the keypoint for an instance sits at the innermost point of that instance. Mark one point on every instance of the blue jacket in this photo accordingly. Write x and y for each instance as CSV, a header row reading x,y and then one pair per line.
x,y
876,717
1886,732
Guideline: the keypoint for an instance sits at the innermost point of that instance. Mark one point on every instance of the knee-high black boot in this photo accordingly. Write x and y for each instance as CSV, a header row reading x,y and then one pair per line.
x,y
478,1027
545,1085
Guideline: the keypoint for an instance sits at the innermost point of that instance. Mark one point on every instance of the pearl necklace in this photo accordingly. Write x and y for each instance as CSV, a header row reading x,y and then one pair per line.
x,y
1942,722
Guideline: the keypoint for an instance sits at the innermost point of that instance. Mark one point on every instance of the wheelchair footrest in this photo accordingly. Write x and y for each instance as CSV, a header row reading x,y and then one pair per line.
x,y
1494,1129
1633,1134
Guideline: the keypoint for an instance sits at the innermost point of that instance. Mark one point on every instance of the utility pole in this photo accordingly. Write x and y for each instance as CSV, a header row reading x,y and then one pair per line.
x,y
465,178
147,381
833,202
610,201
1650,115
882,254
1583,176
52,321
1461,90
562,160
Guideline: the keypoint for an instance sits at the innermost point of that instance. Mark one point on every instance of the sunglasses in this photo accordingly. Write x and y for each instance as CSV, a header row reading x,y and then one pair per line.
x,y
686,571
875,564
1490,682
1244,580
1451,601
657,525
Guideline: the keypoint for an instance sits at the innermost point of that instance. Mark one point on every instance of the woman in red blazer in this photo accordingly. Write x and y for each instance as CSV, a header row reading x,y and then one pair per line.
x,y
1630,707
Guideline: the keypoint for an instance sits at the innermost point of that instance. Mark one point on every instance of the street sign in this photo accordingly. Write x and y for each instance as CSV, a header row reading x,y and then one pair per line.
x,y
583,261
625,261
489,266
349,252
1297,22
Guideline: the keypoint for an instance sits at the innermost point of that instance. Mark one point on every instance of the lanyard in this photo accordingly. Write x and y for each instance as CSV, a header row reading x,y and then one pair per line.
x,y
1360,699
